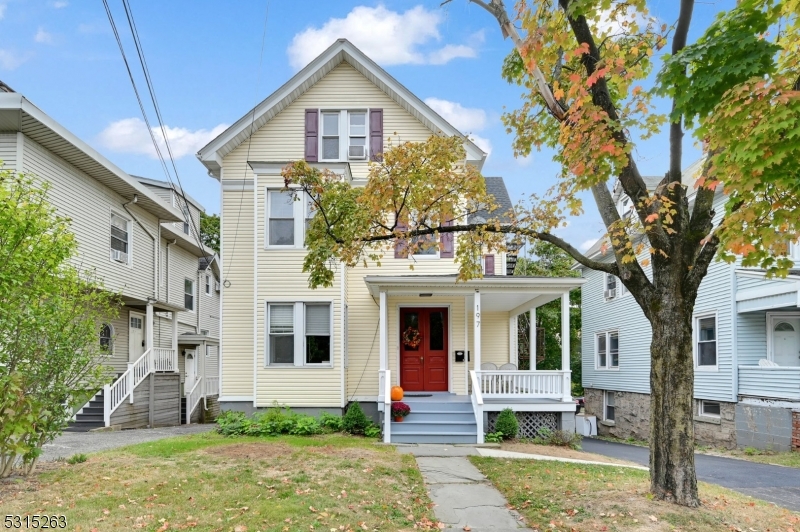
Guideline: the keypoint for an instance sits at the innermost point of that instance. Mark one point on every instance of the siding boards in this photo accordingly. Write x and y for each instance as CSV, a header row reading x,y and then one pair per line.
x,y
8,150
167,408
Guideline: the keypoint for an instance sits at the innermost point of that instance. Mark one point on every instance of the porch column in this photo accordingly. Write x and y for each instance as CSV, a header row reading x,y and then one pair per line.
x,y
149,325
477,332
383,319
174,355
565,366
532,333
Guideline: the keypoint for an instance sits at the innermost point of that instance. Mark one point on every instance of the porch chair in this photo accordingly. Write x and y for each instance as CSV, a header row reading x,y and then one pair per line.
x,y
508,366
488,365
764,363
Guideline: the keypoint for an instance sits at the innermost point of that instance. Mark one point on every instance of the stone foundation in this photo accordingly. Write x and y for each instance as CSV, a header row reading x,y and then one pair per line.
x,y
632,419
796,430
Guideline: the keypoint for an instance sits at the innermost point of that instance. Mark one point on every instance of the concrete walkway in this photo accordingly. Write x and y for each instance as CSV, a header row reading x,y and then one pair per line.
x,y
462,495
776,484
71,443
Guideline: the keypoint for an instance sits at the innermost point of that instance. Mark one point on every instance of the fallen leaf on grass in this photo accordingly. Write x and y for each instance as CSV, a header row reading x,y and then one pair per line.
x,y
653,518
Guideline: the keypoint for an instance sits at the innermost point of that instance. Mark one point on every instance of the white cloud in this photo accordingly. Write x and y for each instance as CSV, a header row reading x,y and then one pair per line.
x,y
482,142
388,37
10,60
462,118
525,161
2,10
43,37
616,20
130,135
587,244
60,4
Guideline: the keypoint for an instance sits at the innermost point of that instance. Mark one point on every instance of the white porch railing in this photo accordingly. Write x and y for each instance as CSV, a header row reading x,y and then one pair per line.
x,y
165,359
114,394
386,389
193,397
212,386
501,384
477,404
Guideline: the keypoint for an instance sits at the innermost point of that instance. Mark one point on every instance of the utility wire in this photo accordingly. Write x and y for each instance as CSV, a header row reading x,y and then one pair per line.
x,y
228,263
193,229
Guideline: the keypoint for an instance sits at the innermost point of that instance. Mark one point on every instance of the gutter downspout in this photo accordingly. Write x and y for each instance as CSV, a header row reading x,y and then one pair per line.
x,y
174,241
153,238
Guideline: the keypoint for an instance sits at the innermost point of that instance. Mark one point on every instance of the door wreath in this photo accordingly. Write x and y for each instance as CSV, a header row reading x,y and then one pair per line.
x,y
412,338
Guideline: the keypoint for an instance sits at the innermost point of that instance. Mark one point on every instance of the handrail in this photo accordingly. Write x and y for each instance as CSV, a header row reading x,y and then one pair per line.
x,y
523,384
211,388
114,394
165,359
477,404
193,399
387,406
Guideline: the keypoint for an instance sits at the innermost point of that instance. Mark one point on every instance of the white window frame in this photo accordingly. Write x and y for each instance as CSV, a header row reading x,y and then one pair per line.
x,y
701,410
129,229
299,334
607,334
344,134
187,218
606,394
772,319
193,294
299,213
794,251
607,295
111,333
208,286
695,339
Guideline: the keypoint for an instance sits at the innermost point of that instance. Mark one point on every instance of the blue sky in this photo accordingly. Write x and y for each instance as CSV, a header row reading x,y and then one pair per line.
x,y
203,57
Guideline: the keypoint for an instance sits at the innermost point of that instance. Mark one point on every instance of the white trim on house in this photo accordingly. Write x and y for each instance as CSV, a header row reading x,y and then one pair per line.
x,y
607,333
695,340
340,51
701,412
128,259
772,317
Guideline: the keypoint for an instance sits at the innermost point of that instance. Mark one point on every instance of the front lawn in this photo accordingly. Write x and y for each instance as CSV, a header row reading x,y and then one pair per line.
x,y
209,482
564,497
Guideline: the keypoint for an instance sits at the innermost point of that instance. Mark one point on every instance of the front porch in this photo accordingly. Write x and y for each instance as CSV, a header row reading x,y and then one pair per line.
x,y
482,365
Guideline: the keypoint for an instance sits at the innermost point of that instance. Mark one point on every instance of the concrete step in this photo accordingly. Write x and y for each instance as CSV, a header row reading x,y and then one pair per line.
x,y
441,415
434,437
83,426
406,427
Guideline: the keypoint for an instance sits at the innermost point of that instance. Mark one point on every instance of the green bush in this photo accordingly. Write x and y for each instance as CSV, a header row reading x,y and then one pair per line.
x,y
355,421
331,422
372,431
507,424
494,437
558,438
77,459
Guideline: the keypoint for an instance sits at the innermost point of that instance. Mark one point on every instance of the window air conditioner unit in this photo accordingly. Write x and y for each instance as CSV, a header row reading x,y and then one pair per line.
x,y
216,286
119,256
357,152
611,294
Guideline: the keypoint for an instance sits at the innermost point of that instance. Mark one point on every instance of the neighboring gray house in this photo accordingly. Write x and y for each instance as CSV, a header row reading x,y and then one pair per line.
x,y
131,235
746,352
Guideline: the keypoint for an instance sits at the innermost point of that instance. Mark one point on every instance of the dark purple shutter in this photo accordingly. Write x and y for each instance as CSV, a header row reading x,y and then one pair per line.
x,y
446,251
488,265
376,134
400,245
312,128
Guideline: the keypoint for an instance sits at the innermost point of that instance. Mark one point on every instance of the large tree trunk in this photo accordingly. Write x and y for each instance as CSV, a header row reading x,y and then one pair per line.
x,y
672,473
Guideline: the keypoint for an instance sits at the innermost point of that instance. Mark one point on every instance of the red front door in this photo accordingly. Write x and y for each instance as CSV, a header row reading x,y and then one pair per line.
x,y
423,349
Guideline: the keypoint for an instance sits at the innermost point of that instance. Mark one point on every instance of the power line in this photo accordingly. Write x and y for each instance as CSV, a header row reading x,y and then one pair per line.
x,y
194,230
227,262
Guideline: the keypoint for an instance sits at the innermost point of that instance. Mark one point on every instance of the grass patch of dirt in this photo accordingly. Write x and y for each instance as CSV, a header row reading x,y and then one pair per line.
x,y
564,497
207,482
559,452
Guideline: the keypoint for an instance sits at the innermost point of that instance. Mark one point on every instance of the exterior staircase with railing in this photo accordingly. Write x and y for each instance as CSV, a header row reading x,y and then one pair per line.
x,y
440,418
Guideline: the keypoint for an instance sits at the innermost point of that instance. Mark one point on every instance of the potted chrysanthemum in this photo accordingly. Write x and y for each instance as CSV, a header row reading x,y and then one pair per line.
x,y
400,410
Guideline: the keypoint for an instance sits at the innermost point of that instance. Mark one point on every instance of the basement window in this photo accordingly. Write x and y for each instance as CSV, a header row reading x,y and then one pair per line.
x,y
710,409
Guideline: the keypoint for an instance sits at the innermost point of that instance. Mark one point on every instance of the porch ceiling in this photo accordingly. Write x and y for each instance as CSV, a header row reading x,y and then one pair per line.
x,y
158,306
515,294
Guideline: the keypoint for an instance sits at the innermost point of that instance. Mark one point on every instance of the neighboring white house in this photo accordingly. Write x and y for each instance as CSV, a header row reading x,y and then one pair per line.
x,y
377,326
130,234
746,352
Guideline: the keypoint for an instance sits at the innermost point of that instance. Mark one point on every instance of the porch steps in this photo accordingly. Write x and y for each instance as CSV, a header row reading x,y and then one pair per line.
x,y
443,418
89,417
183,410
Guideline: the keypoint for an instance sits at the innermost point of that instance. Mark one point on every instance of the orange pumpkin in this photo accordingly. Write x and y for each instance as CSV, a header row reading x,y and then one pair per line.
x,y
397,393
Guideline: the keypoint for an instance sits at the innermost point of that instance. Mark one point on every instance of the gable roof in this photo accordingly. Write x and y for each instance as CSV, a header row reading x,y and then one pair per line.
x,y
18,114
157,183
340,51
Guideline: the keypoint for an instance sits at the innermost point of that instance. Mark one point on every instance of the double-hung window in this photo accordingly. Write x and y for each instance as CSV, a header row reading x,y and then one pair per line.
x,y
610,287
281,218
607,350
188,294
608,406
106,337
187,218
706,341
344,136
120,239
208,285
300,334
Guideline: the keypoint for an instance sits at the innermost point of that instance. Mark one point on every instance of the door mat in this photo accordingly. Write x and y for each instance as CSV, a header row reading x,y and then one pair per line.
x,y
418,395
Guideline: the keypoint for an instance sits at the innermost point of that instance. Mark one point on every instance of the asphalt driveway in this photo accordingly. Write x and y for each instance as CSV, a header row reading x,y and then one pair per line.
x,y
71,443
777,484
